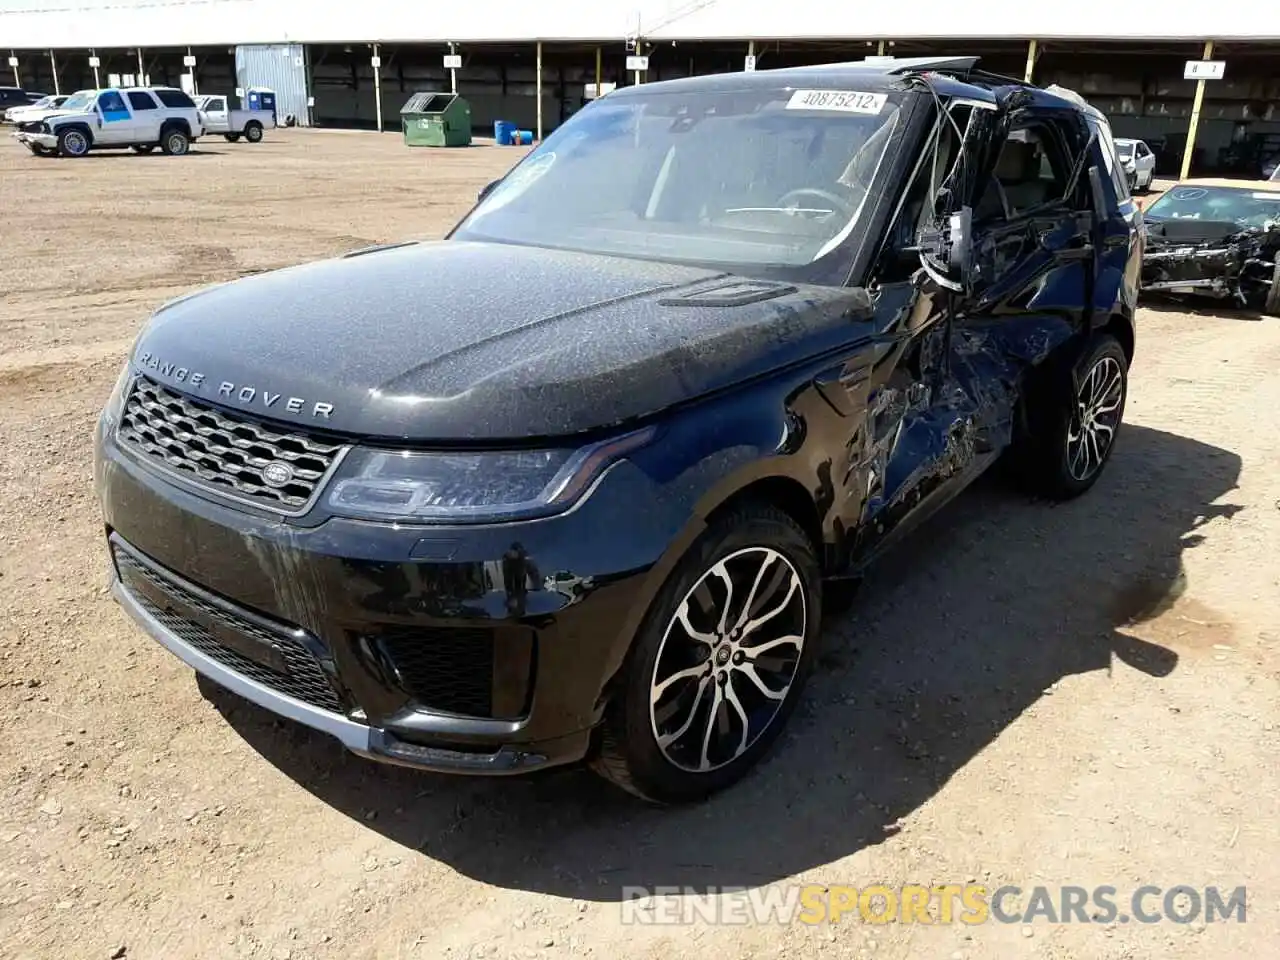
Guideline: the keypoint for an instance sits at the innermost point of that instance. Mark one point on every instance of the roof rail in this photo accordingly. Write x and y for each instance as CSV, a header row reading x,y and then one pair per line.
x,y
916,64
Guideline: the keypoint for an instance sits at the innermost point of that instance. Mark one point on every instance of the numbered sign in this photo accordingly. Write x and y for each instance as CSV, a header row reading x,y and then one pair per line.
x,y
95,62
639,64
1204,70
749,63
453,61
376,61
13,61
188,61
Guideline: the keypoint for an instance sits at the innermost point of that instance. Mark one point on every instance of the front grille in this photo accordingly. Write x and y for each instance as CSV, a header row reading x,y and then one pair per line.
x,y
303,678
444,669
220,450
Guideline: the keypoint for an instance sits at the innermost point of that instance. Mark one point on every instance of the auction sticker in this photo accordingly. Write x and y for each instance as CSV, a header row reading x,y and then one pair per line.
x,y
844,101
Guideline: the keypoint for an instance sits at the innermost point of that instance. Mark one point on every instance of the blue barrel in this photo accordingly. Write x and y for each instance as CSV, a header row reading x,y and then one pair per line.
x,y
504,132
524,137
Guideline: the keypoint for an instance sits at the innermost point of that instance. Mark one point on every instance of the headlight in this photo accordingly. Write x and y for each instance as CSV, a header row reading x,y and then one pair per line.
x,y
116,401
470,487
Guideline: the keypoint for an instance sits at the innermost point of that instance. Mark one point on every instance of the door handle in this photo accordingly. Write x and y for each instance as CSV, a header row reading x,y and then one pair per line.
x,y
1071,254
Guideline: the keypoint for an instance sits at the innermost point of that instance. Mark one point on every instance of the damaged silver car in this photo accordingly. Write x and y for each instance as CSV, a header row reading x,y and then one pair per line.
x,y
1217,239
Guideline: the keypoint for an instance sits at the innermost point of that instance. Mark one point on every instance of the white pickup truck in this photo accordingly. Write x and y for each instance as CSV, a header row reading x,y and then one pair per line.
x,y
219,117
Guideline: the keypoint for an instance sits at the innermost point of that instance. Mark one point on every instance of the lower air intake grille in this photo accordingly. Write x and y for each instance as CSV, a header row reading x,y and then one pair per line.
x,y
443,669
301,677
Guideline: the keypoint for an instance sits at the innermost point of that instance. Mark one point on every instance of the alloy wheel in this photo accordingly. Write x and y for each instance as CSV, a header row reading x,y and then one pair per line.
x,y
728,659
1097,415
75,143
177,144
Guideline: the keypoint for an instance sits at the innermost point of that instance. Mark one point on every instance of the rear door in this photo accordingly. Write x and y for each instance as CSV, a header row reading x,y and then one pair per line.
x,y
146,116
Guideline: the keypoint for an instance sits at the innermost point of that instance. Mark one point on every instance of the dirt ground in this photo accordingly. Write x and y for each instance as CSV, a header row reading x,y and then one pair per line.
x,y
1083,694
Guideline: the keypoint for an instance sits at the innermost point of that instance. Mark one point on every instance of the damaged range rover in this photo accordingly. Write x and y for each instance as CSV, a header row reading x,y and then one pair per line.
x,y
581,503
1218,239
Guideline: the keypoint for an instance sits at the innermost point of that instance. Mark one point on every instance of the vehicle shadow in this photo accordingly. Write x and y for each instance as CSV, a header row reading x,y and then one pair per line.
x,y
1225,310
195,151
951,638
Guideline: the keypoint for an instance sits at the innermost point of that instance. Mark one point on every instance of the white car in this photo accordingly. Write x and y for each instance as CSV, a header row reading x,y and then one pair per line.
x,y
1139,163
219,117
141,118
35,111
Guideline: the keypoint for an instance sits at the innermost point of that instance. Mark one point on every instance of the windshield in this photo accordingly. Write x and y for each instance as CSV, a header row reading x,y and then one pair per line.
x,y
1252,208
1125,148
764,182
79,101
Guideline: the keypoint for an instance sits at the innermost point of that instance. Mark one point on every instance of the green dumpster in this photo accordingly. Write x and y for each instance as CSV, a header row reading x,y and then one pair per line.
x,y
436,120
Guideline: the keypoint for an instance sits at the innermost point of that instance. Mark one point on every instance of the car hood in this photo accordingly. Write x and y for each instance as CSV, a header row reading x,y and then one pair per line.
x,y
1188,230
457,340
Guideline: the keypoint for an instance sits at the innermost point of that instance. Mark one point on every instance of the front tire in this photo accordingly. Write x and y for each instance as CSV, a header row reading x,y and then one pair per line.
x,y
719,661
73,143
1271,305
1073,413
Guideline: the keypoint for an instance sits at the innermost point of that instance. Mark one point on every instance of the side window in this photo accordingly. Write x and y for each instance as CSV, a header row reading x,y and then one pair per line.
x,y
175,98
1032,170
1114,169
217,105
140,100
112,105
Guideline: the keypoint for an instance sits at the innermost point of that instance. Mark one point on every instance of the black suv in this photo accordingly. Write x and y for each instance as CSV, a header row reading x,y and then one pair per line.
x,y
568,484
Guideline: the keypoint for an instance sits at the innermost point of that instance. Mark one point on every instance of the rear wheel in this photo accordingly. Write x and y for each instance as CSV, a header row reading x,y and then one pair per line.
x,y
253,132
73,143
719,662
1073,413
175,142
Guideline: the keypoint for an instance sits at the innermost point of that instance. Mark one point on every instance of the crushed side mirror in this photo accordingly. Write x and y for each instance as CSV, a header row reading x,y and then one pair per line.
x,y
947,253
487,189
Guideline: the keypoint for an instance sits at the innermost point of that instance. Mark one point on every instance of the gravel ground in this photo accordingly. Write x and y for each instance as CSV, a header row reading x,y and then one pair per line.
x,y
1082,694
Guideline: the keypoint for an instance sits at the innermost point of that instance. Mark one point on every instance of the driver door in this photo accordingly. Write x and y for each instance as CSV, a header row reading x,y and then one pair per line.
x,y
115,120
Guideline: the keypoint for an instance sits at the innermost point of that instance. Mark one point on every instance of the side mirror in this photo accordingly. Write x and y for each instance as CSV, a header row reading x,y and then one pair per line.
x,y
487,189
960,256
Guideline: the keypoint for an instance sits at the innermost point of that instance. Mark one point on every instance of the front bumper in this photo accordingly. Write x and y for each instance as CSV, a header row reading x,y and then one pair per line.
x,y
47,140
485,649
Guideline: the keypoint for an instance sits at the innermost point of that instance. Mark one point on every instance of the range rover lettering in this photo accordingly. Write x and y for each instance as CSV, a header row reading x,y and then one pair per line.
x,y
569,485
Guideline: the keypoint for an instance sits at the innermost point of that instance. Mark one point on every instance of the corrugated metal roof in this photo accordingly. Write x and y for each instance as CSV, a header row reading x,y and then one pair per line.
x,y
39,24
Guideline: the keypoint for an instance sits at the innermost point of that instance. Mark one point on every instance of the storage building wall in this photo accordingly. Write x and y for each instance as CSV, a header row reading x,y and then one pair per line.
x,y
280,67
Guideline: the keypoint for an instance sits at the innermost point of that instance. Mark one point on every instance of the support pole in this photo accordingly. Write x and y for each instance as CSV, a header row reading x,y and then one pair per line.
x,y
639,53
16,81
599,72
1195,117
1032,53
453,73
538,89
195,85
53,64
880,49
97,84
377,86
142,70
